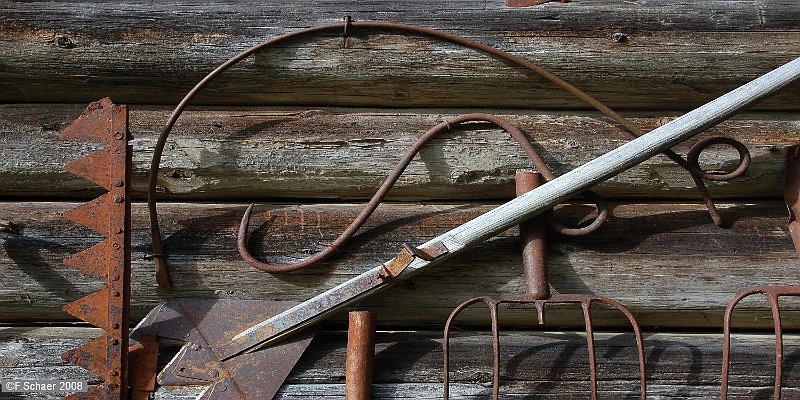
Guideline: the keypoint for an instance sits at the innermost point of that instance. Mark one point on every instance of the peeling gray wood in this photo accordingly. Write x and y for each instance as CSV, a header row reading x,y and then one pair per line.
x,y
666,261
263,153
550,365
145,53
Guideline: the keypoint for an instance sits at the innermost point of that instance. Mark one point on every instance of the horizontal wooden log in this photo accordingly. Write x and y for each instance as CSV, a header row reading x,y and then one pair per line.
x,y
551,365
659,54
249,153
666,261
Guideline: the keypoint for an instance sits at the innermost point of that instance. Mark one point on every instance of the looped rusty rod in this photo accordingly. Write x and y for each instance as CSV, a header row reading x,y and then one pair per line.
x,y
162,274
390,180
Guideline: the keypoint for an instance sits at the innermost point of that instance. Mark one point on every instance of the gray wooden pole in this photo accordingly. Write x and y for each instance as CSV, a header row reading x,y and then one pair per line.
x,y
521,208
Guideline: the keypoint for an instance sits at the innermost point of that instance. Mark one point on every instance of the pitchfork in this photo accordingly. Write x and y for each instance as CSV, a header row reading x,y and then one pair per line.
x,y
533,234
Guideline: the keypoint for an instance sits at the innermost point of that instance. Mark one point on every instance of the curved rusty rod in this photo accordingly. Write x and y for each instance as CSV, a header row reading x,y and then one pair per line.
x,y
390,180
347,27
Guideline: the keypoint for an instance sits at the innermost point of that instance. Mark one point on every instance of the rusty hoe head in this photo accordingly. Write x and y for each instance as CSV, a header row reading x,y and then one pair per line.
x,y
534,248
791,195
347,28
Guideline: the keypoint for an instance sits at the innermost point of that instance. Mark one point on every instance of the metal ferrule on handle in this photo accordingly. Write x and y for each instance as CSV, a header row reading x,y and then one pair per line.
x,y
513,212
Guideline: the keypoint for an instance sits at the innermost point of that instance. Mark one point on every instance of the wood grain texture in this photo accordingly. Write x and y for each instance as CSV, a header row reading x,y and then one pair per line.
x,y
671,55
666,261
550,365
268,153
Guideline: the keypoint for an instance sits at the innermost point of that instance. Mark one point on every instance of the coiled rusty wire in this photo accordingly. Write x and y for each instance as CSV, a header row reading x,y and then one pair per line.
x,y
348,27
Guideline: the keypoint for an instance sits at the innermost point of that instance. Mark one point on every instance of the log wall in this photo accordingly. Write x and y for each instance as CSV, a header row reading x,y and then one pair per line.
x,y
309,130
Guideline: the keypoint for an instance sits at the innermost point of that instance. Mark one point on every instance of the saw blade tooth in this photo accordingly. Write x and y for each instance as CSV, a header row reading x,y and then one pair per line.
x,y
90,355
92,308
94,214
94,167
93,125
93,261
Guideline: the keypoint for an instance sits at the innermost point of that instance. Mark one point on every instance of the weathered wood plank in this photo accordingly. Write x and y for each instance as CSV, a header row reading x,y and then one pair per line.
x,y
248,153
145,53
409,364
666,261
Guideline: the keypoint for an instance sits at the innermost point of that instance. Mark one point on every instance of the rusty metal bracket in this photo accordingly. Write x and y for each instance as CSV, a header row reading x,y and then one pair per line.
x,y
108,308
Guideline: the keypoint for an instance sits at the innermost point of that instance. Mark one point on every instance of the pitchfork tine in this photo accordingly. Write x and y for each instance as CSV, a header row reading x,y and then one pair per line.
x,y
587,320
772,293
446,340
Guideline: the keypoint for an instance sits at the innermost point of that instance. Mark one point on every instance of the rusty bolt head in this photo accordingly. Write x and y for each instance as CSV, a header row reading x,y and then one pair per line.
x,y
115,341
118,231
197,347
114,373
223,388
115,294
117,183
118,135
115,278
116,246
118,198
115,325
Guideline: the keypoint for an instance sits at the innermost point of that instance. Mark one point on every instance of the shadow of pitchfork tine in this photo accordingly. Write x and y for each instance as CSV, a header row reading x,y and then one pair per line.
x,y
533,233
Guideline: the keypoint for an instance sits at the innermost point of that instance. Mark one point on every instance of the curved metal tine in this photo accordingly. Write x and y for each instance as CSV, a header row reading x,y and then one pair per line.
x,y
587,321
637,331
495,343
495,350
772,293
726,339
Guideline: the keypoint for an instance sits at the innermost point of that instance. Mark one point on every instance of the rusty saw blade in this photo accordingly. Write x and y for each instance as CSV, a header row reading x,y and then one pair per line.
x,y
107,356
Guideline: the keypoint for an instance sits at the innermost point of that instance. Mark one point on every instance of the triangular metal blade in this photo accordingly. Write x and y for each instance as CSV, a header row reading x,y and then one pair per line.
x,y
93,167
207,324
90,355
92,308
93,215
93,261
93,125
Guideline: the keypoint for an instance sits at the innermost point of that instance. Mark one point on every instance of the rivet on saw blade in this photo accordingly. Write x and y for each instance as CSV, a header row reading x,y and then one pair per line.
x,y
118,135
118,199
